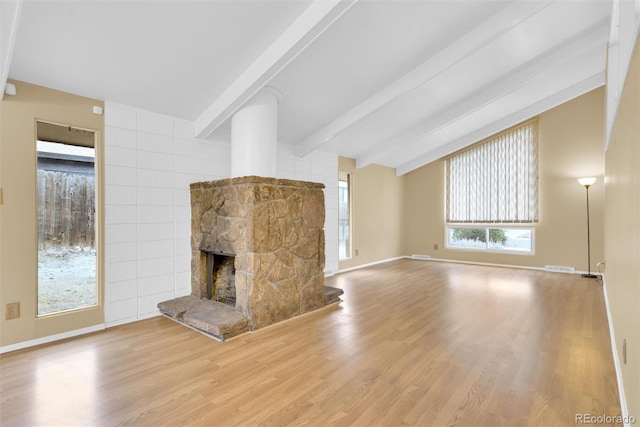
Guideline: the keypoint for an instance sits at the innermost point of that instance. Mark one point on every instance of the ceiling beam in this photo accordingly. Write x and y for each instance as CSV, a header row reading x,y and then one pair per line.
x,y
9,19
483,34
593,37
580,88
319,16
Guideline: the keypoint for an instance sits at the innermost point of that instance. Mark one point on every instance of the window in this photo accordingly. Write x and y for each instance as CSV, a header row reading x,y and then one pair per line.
x,y
489,238
344,215
67,268
494,182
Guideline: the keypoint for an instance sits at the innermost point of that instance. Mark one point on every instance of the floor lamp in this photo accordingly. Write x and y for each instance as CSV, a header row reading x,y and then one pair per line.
x,y
588,182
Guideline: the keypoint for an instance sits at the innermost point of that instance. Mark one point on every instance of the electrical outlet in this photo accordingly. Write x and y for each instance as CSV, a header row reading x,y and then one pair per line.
x,y
435,246
624,352
356,252
13,310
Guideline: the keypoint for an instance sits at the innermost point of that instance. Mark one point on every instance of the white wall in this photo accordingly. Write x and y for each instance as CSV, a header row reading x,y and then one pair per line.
x,y
150,160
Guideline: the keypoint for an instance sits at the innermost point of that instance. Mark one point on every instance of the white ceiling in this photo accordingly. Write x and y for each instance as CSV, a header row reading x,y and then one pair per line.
x,y
397,83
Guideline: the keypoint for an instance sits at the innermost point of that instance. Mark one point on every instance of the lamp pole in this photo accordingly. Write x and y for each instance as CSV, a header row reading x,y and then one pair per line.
x,y
588,182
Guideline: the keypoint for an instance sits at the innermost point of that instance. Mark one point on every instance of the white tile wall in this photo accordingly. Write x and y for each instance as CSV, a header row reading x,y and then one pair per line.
x,y
149,163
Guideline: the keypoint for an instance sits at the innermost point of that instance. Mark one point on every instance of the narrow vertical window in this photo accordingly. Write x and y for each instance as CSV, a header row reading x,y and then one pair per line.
x,y
66,219
344,204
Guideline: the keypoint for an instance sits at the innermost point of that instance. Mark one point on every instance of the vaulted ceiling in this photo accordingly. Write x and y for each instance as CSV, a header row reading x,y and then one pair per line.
x,y
396,83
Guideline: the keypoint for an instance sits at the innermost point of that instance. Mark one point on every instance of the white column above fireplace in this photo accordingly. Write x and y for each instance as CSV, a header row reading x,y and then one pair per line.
x,y
254,135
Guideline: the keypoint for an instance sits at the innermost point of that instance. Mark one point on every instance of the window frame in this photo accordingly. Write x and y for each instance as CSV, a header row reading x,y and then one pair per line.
x,y
486,227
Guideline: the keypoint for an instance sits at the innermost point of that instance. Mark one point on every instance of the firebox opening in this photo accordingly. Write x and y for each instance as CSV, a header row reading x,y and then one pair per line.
x,y
221,278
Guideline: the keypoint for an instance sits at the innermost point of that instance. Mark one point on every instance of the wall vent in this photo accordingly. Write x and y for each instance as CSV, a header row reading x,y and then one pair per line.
x,y
559,269
418,256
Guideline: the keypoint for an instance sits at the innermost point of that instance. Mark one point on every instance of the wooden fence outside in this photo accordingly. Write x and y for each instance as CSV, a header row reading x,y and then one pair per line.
x,y
66,210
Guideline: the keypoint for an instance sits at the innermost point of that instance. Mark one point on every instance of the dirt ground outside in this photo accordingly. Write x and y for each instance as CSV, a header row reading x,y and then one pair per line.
x,y
66,279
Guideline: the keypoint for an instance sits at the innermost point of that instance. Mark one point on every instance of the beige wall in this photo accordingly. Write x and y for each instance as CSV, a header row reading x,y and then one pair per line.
x,y
622,231
18,231
570,146
376,213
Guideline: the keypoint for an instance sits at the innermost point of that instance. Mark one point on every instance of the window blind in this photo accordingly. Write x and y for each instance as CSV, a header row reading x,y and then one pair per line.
x,y
495,181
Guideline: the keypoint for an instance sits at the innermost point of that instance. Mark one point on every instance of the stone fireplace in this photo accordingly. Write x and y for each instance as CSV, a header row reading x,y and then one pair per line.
x,y
258,247
275,229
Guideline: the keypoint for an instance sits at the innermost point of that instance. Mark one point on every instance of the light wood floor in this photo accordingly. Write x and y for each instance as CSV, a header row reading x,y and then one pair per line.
x,y
413,343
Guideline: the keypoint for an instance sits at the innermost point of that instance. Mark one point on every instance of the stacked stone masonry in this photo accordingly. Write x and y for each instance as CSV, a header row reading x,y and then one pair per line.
x,y
275,229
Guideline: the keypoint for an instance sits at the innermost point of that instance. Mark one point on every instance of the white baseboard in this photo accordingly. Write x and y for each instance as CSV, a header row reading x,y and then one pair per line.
x,y
75,333
616,360
491,264
133,319
426,258
149,315
358,267
121,322
51,338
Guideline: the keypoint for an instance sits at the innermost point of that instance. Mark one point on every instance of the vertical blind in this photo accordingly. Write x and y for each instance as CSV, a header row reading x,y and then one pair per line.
x,y
495,181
